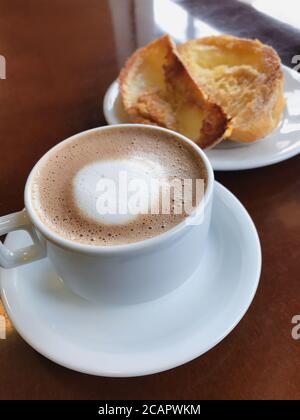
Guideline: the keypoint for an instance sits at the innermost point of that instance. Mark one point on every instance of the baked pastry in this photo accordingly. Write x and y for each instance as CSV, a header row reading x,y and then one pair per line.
x,y
244,77
156,88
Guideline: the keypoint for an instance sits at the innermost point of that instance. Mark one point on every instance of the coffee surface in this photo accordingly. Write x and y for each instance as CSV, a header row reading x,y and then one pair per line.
x,y
69,181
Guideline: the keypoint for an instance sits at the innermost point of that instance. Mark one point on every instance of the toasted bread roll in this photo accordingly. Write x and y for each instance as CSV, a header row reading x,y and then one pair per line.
x,y
156,88
244,77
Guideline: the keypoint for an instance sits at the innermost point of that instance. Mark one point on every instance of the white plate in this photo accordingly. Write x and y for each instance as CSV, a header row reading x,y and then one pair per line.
x,y
134,340
280,145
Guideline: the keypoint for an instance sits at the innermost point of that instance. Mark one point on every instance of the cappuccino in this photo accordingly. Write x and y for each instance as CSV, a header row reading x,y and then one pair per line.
x,y
80,179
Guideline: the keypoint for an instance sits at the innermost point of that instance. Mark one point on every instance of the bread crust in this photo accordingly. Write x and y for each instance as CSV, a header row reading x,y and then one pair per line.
x,y
156,88
244,77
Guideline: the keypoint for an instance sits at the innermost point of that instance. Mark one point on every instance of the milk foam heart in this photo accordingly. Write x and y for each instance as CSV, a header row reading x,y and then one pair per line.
x,y
104,190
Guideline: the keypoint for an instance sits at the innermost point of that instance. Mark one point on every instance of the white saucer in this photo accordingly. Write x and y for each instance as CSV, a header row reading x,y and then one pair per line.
x,y
146,338
282,144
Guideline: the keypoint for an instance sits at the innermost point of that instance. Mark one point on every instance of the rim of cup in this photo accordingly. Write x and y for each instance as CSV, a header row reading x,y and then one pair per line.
x,y
111,249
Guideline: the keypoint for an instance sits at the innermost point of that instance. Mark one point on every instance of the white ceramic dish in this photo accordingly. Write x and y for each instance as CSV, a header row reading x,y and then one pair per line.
x,y
145,338
280,145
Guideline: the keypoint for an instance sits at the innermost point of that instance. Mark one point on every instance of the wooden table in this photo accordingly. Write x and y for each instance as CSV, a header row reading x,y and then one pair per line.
x,y
61,56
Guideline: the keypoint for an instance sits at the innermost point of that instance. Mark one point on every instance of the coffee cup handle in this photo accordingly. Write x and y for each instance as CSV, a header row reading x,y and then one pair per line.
x,y
36,251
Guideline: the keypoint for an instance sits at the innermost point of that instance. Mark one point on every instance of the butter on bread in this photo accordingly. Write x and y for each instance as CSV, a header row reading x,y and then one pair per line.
x,y
244,77
156,88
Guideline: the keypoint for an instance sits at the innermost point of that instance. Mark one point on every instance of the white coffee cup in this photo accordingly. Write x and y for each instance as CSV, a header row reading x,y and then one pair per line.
x,y
129,273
